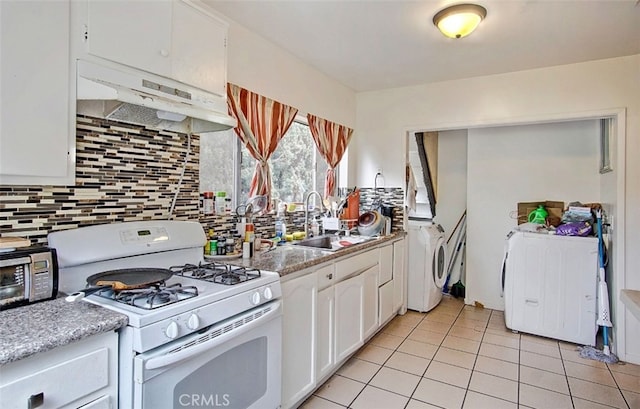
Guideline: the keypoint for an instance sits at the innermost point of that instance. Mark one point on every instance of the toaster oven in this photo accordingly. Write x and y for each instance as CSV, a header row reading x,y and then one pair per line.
x,y
28,275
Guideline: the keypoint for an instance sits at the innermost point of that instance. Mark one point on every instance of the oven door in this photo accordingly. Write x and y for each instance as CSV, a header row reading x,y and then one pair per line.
x,y
233,364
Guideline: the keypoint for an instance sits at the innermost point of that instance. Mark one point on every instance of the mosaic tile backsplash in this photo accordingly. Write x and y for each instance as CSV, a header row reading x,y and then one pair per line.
x,y
127,172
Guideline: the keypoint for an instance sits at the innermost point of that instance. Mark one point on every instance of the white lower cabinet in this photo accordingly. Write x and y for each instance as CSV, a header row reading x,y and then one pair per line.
x,y
399,277
348,316
328,314
386,302
325,358
369,306
298,338
83,374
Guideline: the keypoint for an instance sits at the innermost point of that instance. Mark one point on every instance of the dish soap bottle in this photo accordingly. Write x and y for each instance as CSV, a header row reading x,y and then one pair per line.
x,y
280,225
315,227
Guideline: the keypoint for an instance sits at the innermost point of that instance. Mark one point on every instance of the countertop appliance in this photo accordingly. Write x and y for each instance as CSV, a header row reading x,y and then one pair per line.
x,y
27,275
427,265
203,335
550,284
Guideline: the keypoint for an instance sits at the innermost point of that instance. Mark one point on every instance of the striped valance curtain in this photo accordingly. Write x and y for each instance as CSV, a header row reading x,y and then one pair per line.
x,y
262,122
332,140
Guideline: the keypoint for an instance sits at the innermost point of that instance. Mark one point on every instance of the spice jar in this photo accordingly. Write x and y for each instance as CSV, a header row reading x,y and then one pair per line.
x,y
208,203
230,245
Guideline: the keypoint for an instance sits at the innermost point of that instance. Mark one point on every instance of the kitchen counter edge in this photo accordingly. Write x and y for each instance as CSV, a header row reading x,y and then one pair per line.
x,y
289,259
46,325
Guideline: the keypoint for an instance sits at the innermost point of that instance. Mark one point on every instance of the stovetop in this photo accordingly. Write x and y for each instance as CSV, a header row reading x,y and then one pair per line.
x,y
191,293
161,294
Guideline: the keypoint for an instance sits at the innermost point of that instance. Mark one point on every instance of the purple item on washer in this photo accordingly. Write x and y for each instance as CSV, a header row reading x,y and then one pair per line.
x,y
574,229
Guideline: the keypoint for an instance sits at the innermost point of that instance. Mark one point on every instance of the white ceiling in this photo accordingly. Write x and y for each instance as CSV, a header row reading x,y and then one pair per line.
x,y
375,44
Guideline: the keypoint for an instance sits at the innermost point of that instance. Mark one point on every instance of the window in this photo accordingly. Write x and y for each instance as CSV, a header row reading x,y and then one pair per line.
x,y
218,152
296,166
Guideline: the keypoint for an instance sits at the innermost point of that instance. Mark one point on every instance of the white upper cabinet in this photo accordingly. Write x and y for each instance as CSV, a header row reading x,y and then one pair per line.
x,y
199,49
37,136
176,39
135,33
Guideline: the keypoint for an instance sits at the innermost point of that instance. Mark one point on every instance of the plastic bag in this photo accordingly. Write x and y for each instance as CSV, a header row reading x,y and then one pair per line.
x,y
582,229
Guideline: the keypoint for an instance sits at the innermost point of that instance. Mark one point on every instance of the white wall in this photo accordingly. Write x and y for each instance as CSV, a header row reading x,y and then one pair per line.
x,y
568,91
260,66
507,165
452,178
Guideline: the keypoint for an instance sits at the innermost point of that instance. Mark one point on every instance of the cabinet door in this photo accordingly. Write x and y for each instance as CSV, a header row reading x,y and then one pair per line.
x,y
36,133
298,338
370,301
134,33
348,316
385,301
199,53
386,264
399,281
324,335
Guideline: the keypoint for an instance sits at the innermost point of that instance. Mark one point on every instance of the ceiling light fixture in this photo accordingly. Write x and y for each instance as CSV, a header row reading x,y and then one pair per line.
x,y
459,20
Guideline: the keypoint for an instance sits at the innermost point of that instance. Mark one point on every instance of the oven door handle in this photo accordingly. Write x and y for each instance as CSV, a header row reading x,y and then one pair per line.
x,y
239,326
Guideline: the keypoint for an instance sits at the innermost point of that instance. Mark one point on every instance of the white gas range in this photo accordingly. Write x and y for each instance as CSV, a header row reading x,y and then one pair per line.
x,y
193,340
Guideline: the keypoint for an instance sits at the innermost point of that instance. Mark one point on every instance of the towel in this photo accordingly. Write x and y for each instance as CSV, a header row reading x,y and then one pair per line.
x,y
411,190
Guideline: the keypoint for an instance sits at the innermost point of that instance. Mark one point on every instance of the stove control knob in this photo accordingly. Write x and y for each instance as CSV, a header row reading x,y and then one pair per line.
x,y
268,294
255,298
193,322
172,330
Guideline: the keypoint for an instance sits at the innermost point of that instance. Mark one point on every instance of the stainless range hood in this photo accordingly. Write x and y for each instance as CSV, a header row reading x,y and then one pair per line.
x,y
132,96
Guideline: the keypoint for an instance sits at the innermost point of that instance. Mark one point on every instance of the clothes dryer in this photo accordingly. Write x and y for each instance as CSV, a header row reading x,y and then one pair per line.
x,y
427,266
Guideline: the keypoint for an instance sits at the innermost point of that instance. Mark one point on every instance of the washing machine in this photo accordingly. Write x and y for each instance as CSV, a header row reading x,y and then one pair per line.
x,y
427,264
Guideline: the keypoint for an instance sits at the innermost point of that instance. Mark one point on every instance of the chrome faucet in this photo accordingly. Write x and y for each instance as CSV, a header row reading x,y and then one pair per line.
x,y
306,209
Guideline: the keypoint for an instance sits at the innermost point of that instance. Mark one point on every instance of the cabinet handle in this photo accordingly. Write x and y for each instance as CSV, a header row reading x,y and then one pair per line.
x,y
330,276
35,401
164,53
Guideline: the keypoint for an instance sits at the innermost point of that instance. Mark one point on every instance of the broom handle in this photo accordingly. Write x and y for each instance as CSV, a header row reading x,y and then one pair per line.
x,y
456,227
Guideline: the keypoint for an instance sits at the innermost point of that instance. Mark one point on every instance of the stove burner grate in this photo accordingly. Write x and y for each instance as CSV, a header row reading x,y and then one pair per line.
x,y
217,273
153,296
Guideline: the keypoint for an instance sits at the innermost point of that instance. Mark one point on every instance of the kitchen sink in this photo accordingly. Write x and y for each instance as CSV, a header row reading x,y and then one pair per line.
x,y
331,242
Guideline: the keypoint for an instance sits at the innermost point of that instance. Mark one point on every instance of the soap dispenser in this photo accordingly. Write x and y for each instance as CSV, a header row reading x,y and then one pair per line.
x,y
315,227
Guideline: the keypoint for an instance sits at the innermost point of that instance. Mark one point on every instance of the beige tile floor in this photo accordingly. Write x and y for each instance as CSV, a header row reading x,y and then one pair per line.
x,y
459,356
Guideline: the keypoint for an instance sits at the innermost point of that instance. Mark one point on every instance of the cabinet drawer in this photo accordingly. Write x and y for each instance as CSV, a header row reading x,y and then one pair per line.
x,y
358,263
60,384
326,277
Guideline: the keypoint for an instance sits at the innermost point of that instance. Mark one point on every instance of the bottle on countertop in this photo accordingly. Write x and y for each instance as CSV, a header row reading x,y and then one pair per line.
x,y
230,245
280,224
220,202
315,227
249,237
213,243
222,249
208,204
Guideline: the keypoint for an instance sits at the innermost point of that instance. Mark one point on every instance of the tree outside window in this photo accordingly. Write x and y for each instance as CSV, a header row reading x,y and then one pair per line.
x,y
297,167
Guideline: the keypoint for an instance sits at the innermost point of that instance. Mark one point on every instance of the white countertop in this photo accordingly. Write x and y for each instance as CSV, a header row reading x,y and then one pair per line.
x,y
631,298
